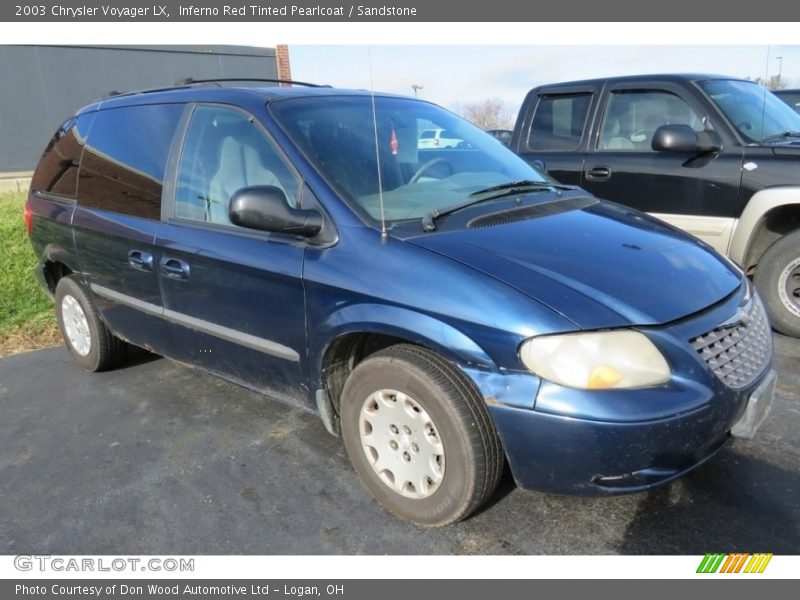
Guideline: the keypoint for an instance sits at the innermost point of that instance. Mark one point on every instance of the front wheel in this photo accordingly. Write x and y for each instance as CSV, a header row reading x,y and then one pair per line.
x,y
419,436
778,280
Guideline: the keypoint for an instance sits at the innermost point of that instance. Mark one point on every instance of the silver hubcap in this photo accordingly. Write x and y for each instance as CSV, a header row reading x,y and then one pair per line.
x,y
402,443
75,325
789,286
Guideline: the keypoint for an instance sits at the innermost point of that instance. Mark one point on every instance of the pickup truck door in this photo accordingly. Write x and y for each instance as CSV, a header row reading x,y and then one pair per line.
x,y
555,130
698,193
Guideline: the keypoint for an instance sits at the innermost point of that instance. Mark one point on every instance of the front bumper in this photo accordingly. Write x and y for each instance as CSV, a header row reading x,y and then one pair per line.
x,y
619,441
559,454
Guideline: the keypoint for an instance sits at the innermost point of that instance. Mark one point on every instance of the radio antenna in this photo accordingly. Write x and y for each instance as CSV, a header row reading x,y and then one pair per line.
x,y
384,234
766,91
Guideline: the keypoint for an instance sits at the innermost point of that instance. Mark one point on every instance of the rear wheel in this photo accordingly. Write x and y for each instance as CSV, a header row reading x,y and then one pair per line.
x,y
778,280
419,436
88,340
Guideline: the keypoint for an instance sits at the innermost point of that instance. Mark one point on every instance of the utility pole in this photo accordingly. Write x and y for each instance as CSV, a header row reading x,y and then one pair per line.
x,y
780,69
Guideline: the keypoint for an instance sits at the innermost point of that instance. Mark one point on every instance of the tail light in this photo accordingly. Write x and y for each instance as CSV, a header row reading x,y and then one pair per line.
x,y
28,217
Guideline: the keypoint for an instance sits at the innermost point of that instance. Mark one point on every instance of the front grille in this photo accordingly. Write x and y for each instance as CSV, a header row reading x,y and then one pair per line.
x,y
738,353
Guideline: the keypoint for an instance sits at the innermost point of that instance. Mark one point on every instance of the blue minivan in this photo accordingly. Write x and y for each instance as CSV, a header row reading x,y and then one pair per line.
x,y
443,310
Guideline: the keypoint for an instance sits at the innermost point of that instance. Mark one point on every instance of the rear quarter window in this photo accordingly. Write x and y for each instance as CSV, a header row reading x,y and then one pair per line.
x,y
125,158
57,171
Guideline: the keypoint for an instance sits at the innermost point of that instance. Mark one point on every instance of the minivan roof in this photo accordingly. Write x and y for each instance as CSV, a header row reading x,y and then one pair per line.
x,y
226,94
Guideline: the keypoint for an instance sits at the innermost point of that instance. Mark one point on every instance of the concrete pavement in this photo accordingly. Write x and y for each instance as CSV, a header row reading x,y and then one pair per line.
x,y
156,458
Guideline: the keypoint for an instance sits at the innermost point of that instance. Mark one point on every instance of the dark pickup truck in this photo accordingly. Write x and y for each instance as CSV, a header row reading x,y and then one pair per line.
x,y
716,156
790,97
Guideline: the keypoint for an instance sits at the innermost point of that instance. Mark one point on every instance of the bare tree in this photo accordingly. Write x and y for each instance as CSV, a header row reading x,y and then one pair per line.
x,y
774,82
491,113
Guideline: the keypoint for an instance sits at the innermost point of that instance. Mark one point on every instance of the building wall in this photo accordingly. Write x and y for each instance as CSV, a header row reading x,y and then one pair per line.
x,y
43,85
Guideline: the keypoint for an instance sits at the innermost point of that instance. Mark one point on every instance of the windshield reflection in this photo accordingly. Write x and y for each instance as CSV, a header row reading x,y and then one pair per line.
x,y
426,157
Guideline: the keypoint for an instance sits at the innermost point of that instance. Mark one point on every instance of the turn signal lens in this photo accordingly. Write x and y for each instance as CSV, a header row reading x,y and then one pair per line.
x,y
603,377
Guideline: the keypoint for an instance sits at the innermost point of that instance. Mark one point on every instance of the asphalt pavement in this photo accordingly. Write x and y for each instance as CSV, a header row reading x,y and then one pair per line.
x,y
157,458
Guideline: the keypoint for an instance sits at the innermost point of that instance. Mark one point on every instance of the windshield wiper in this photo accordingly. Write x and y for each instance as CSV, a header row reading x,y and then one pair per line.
x,y
491,193
522,185
781,135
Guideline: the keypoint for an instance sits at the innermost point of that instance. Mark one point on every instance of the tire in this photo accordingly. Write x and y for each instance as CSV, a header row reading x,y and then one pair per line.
x,y
778,281
451,447
89,341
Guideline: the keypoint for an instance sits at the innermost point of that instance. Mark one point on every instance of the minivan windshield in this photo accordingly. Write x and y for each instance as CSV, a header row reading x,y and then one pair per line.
x,y
757,113
338,134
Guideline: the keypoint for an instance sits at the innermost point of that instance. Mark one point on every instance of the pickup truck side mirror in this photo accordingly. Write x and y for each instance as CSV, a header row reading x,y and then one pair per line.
x,y
682,138
264,207
539,165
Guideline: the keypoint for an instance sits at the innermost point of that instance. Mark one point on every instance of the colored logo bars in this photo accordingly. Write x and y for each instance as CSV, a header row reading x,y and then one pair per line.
x,y
734,563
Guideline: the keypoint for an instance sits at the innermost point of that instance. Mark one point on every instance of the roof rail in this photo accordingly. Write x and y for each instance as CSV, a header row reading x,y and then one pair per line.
x,y
192,81
118,94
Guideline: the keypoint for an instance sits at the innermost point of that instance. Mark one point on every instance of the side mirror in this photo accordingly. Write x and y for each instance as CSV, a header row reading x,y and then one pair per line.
x,y
264,207
539,165
682,138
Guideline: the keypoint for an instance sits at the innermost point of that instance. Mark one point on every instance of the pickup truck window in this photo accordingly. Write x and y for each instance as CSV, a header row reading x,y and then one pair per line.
x,y
792,98
632,117
559,121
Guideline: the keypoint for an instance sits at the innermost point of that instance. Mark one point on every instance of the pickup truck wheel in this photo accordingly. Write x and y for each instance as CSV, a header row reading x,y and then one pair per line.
x,y
88,339
778,280
419,436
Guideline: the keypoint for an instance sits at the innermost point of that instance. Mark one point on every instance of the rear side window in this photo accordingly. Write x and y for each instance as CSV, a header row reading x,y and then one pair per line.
x,y
559,121
123,164
57,171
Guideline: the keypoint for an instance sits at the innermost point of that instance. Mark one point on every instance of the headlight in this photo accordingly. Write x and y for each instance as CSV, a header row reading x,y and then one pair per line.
x,y
596,360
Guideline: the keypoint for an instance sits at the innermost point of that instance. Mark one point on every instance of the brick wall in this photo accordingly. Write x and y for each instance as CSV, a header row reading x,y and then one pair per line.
x,y
284,67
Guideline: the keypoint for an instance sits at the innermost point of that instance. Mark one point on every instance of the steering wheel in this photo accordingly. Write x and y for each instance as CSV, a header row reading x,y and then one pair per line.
x,y
428,166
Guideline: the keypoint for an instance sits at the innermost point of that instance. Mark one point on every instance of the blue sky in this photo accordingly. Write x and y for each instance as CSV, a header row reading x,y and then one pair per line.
x,y
454,74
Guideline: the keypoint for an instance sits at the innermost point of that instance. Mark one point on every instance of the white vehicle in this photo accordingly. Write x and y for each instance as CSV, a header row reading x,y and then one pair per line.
x,y
437,138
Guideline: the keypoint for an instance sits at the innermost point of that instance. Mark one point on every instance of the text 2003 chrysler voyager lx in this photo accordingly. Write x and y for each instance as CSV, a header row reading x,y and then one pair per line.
x,y
500,316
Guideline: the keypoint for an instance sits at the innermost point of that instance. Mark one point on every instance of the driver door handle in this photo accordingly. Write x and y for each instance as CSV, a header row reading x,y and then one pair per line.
x,y
598,172
174,268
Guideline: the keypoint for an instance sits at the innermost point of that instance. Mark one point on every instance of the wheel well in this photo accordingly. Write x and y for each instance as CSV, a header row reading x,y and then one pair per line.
x,y
53,272
775,224
345,353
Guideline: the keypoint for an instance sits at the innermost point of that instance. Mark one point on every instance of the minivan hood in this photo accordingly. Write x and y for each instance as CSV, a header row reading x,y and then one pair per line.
x,y
602,266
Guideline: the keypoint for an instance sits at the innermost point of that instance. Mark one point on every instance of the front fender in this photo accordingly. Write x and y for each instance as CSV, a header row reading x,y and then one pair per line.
x,y
757,207
399,322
